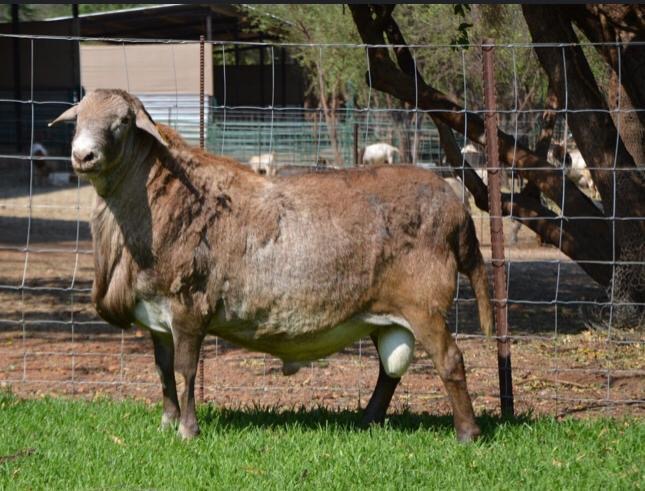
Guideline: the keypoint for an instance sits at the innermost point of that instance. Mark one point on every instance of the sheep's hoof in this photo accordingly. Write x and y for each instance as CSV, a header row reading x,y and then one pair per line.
x,y
291,368
169,421
188,432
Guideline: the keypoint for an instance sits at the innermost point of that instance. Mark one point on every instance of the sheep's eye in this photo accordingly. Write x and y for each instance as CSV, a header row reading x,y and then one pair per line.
x,y
125,121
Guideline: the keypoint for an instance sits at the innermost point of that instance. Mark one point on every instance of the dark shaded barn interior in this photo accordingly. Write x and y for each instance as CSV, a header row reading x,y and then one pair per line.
x,y
48,71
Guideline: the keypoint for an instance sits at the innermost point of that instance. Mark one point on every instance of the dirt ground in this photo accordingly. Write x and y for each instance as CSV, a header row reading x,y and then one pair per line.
x,y
52,342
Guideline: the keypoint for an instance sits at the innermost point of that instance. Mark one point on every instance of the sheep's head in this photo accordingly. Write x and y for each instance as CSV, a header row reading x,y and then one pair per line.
x,y
108,124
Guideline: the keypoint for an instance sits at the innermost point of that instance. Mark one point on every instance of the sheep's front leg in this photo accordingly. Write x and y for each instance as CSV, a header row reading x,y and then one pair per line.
x,y
187,346
164,354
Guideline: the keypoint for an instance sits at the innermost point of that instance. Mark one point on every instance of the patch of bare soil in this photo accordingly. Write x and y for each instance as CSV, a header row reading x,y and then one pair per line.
x,y
52,342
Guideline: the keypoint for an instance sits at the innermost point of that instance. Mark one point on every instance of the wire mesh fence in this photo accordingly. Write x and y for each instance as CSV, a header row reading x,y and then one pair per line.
x,y
569,356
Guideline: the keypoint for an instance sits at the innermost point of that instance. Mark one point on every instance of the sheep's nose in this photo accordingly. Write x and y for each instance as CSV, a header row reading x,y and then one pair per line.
x,y
84,156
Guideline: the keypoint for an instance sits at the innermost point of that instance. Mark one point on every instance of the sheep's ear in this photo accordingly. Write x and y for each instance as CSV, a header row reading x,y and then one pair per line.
x,y
145,123
69,115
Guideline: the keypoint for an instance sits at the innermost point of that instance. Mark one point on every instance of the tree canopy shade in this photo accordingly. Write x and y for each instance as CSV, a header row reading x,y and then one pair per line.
x,y
336,73
608,244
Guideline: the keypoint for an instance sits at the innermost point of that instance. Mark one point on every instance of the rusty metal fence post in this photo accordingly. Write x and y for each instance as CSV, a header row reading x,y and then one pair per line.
x,y
497,233
201,145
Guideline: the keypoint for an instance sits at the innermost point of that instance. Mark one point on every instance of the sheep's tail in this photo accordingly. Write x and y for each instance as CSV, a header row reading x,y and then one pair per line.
x,y
471,263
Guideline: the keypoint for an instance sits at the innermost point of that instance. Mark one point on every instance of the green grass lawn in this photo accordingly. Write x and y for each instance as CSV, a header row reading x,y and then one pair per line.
x,y
71,444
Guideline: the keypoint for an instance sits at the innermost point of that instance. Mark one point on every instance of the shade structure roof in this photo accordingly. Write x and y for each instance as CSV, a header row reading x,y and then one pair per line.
x,y
168,21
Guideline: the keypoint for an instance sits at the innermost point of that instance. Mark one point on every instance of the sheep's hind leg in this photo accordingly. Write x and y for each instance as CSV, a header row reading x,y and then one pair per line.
x,y
187,346
164,354
432,332
379,402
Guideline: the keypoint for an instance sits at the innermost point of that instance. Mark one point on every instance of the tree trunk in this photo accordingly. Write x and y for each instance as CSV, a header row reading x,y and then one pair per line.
x,y
623,24
622,190
632,132
330,114
616,23
333,128
548,124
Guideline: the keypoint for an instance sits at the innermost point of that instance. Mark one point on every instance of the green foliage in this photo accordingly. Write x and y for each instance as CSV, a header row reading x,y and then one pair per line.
x,y
40,11
461,9
304,24
599,67
67,444
443,25
439,26
462,38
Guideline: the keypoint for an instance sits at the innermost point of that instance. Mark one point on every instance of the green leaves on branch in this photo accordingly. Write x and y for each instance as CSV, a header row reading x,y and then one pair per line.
x,y
462,38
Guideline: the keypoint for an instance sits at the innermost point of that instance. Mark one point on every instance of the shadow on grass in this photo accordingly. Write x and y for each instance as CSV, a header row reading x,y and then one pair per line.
x,y
342,420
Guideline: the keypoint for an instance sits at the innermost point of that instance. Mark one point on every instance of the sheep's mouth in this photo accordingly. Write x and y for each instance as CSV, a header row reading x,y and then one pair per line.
x,y
86,168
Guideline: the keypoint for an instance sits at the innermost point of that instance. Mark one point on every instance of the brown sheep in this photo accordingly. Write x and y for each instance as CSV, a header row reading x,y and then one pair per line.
x,y
188,244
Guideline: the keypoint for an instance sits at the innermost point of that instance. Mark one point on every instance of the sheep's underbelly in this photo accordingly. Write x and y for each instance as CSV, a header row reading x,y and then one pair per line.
x,y
291,343
395,339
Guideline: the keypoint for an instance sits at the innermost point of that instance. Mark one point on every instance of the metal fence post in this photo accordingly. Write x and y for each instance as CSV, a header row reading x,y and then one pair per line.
x,y
201,92
497,233
201,145
356,162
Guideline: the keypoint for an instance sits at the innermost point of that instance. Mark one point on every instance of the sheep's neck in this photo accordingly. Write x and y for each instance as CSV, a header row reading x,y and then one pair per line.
x,y
129,206
124,167
121,231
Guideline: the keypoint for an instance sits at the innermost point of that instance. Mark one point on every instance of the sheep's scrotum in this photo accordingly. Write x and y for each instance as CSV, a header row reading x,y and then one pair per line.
x,y
395,349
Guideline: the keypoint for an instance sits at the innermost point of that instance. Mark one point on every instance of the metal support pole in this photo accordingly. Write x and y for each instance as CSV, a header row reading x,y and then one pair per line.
x,y
201,92
201,145
17,71
261,67
356,163
76,46
497,233
209,27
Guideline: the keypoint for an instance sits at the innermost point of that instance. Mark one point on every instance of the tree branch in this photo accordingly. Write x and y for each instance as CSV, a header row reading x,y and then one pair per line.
x,y
524,207
593,130
387,78
548,123
609,23
585,237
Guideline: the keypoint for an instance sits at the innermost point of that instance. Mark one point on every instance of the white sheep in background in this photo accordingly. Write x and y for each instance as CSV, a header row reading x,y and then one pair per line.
x,y
476,157
578,172
460,190
378,154
43,168
575,168
477,160
263,163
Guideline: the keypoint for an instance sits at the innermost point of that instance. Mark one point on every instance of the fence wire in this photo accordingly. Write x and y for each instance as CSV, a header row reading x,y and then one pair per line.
x,y
569,356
